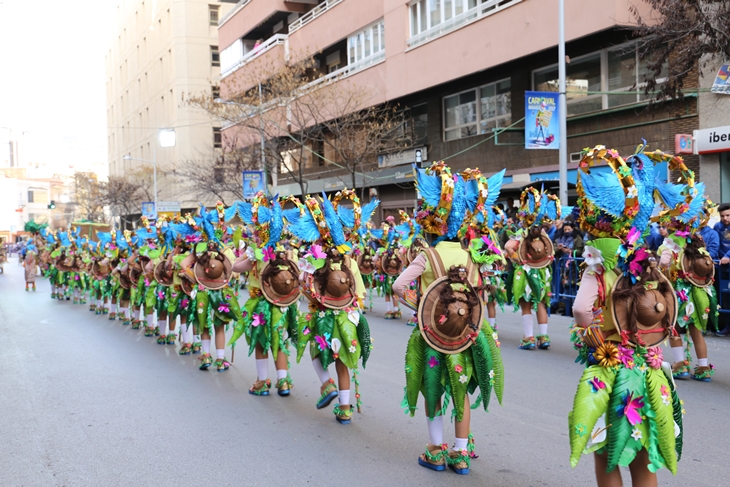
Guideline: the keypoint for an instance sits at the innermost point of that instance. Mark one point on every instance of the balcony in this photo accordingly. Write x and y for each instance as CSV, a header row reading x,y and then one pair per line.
x,y
233,57
485,9
346,71
313,14
233,11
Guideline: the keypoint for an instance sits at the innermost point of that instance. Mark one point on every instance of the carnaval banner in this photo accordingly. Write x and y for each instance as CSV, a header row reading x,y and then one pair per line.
x,y
722,80
253,182
148,210
541,120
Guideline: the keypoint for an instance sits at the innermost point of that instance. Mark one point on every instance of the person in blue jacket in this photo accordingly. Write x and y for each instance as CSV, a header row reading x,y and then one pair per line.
x,y
712,241
656,237
722,228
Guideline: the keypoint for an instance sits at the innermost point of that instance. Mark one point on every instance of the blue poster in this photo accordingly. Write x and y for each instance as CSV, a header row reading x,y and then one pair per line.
x,y
253,182
541,120
148,210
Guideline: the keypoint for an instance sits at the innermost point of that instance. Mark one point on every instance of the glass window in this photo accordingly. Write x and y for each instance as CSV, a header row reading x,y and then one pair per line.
x,y
434,10
464,117
367,39
376,38
583,76
448,9
496,106
459,7
621,76
366,43
213,14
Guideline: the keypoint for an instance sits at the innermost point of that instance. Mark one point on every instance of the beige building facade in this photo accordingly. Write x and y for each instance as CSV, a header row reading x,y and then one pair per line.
x,y
161,51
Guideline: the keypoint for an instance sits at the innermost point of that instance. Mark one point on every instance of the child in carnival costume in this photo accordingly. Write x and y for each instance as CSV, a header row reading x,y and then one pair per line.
x,y
164,271
215,301
412,245
626,410
335,327
365,255
390,262
51,245
149,255
30,263
688,265
100,267
532,254
454,350
270,314
121,273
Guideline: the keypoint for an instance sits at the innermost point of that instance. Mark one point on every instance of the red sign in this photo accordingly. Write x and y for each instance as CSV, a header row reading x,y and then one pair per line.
x,y
683,144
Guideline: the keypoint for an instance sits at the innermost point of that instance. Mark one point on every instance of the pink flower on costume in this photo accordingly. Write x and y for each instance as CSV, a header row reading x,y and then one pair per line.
x,y
317,252
654,357
458,368
632,408
322,342
223,308
269,254
160,295
258,319
432,362
682,295
626,356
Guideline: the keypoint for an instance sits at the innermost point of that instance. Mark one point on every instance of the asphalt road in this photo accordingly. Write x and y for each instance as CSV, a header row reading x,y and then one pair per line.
x,y
86,401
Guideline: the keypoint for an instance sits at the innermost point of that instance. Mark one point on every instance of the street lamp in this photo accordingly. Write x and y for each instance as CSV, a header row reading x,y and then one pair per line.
x,y
167,138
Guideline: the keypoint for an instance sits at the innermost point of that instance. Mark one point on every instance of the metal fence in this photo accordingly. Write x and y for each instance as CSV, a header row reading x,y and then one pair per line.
x,y
566,278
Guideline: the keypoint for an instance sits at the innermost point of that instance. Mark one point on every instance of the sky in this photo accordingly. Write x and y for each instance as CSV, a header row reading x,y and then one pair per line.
x,y
52,80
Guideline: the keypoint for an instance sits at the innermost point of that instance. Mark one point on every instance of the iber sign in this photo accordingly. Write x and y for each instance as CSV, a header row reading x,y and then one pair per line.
x,y
716,139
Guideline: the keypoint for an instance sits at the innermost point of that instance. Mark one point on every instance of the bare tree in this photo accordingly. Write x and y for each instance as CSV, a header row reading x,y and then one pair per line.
x,y
310,125
121,195
677,36
88,196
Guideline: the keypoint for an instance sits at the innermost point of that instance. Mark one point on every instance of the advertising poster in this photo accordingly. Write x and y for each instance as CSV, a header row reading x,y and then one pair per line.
x,y
253,182
722,80
541,120
148,210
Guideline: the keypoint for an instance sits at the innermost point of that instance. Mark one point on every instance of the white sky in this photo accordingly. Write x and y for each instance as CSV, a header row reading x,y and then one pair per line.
x,y
52,79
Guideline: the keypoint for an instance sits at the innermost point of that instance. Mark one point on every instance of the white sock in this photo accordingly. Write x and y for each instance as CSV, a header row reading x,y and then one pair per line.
x,y
344,397
197,339
136,314
281,374
114,307
542,329
123,311
322,373
388,306
220,353
678,353
436,429
702,362
460,444
151,321
262,368
163,326
492,322
187,333
98,301
206,346
527,325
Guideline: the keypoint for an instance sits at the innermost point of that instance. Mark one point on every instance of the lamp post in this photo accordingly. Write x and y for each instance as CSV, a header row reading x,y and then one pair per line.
x,y
167,138
562,107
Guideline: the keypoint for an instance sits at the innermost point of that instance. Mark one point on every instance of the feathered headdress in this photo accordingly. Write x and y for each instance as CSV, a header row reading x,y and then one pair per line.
x,y
447,200
537,207
265,216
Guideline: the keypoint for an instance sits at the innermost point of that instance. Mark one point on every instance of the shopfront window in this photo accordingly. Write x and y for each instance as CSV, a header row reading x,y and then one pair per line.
x,y
478,111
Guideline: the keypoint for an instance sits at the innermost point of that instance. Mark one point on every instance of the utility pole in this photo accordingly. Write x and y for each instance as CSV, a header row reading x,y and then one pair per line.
x,y
562,108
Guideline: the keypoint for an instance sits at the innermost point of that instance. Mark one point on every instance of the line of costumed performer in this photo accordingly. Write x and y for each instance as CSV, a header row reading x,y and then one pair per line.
x,y
626,410
454,350
335,326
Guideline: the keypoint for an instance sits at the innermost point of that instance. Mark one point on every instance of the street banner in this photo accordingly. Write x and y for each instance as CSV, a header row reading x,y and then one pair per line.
x,y
148,210
722,80
253,182
541,120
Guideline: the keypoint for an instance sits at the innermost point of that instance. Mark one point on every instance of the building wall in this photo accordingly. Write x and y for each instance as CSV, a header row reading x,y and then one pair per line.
x,y
155,59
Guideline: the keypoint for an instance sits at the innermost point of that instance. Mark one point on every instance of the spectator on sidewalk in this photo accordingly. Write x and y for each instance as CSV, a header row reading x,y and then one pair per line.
x,y
555,228
723,233
567,241
656,237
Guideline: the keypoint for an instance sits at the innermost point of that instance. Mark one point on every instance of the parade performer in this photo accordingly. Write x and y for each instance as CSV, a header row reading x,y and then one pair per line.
x,y
453,351
389,263
270,314
532,254
334,326
121,274
626,410
211,265
689,266
31,266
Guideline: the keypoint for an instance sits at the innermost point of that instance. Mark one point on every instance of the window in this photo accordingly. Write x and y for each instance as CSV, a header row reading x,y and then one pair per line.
x,y
30,196
217,138
215,92
477,111
600,80
213,14
430,13
215,56
366,44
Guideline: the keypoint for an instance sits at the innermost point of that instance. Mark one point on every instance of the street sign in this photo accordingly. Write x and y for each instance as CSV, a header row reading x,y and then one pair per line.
x,y
168,207
716,139
408,156
253,182
683,144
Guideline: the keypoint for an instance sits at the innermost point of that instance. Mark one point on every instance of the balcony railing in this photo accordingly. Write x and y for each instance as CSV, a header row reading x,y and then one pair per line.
x,y
233,12
485,9
232,57
312,14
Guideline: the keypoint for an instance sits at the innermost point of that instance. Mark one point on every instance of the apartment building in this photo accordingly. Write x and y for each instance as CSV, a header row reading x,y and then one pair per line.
x,y
461,68
159,52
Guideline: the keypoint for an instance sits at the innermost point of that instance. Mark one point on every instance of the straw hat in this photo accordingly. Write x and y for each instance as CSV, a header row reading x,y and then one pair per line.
x,y
164,272
279,282
214,272
700,271
537,253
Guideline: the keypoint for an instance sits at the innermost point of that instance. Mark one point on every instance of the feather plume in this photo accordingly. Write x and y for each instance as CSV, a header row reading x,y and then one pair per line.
x,y
305,228
276,224
428,185
368,210
494,185
605,192
333,222
669,193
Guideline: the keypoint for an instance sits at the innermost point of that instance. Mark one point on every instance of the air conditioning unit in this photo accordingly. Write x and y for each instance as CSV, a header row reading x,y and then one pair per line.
x,y
575,157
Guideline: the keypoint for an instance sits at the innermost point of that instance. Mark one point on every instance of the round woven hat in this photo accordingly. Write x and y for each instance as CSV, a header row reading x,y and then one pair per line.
x,y
100,268
366,263
148,268
419,245
337,290
64,262
187,285
280,286
700,271
124,281
164,272
391,264
214,274
537,253
650,310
